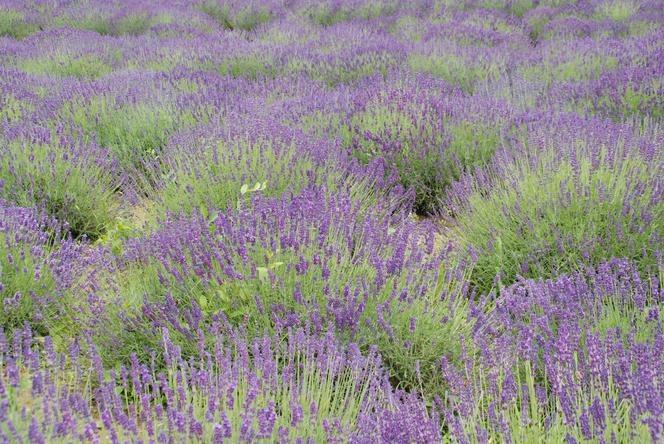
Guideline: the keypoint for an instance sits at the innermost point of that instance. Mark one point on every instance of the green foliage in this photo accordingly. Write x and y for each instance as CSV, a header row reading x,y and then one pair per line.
x,y
12,110
135,133
248,66
246,19
553,216
454,70
63,65
428,158
576,69
75,191
215,175
13,24
24,278
115,237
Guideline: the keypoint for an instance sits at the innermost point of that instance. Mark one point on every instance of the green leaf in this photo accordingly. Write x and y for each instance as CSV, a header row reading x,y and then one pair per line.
x,y
244,189
276,265
235,314
202,301
223,297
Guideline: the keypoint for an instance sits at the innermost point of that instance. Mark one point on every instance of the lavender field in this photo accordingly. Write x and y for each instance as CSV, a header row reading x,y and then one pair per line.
x,y
362,221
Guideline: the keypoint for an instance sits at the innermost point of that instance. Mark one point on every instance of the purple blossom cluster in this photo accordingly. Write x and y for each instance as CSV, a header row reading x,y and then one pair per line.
x,y
331,221
260,390
552,352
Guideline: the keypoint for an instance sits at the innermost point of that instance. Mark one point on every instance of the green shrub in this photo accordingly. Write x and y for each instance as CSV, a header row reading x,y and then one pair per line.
x,y
228,17
135,133
557,213
63,65
213,175
69,186
13,24
427,153
247,66
454,70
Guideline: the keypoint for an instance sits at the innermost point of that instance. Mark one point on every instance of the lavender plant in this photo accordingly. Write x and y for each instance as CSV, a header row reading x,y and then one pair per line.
x,y
565,367
261,391
73,184
527,221
34,269
421,139
13,23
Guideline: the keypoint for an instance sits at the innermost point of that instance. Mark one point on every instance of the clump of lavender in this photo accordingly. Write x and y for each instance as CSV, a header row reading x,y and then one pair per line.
x,y
525,215
576,358
31,274
17,21
220,167
347,56
52,53
233,15
319,258
426,133
71,182
132,115
265,390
